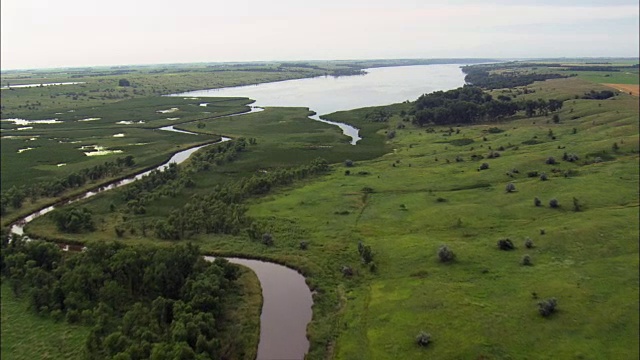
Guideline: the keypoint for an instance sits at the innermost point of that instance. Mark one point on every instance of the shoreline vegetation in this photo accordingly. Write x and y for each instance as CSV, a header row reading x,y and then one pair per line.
x,y
352,231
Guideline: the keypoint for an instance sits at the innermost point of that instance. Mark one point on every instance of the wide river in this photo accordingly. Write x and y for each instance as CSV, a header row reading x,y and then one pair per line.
x,y
327,94
287,303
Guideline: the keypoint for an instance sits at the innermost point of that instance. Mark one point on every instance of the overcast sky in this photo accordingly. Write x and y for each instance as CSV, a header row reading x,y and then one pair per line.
x,y
56,33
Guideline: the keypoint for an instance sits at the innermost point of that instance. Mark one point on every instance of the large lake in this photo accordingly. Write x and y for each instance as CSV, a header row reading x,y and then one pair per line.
x,y
327,94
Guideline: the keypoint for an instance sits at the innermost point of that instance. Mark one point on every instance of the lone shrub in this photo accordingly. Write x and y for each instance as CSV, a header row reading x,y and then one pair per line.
x,y
528,243
550,161
348,163
505,244
510,187
526,261
304,245
346,271
347,172
423,339
532,174
554,203
267,239
365,252
547,307
537,202
576,205
484,166
445,254
544,177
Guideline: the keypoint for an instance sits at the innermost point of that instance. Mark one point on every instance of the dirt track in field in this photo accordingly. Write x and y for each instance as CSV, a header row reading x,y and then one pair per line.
x,y
628,88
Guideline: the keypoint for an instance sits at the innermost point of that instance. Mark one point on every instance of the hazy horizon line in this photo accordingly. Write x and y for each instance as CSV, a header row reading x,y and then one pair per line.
x,y
319,60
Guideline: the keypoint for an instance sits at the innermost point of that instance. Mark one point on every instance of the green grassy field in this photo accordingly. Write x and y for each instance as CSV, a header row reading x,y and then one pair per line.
x,y
483,305
26,335
49,152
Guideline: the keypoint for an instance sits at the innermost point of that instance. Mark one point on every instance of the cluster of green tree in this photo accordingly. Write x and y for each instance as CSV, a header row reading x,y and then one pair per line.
x,y
170,181
484,78
347,72
598,95
74,220
221,211
378,115
142,302
470,104
15,196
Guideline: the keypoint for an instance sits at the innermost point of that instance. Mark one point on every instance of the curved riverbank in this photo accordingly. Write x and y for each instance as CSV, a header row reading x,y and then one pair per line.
x,y
284,290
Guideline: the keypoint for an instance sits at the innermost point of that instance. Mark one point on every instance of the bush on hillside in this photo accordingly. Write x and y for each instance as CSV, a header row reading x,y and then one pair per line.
x,y
505,244
445,254
423,338
547,307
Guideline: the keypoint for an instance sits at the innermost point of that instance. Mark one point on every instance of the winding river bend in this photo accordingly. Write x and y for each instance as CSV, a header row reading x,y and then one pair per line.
x,y
286,309
287,299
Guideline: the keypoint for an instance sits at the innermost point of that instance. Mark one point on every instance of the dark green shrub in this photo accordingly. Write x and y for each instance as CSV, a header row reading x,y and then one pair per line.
x,y
550,161
73,316
510,187
348,163
528,243
576,205
423,339
505,244
544,177
554,203
346,271
526,261
445,254
484,166
267,239
537,202
547,307
532,173
304,245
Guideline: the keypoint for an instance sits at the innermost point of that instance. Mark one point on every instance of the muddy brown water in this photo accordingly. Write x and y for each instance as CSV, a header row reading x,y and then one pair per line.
x,y
287,300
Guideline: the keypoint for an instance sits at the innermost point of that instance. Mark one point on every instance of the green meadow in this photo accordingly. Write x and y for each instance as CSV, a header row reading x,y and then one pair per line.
x,y
26,335
407,196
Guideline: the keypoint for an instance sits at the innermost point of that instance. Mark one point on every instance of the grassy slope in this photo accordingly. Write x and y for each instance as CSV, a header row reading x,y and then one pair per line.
x,y
480,306
27,336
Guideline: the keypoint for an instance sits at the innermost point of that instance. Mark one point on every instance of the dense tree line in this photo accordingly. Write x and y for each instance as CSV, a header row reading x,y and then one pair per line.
x,y
222,211
470,104
173,178
15,196
141,302
483,78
